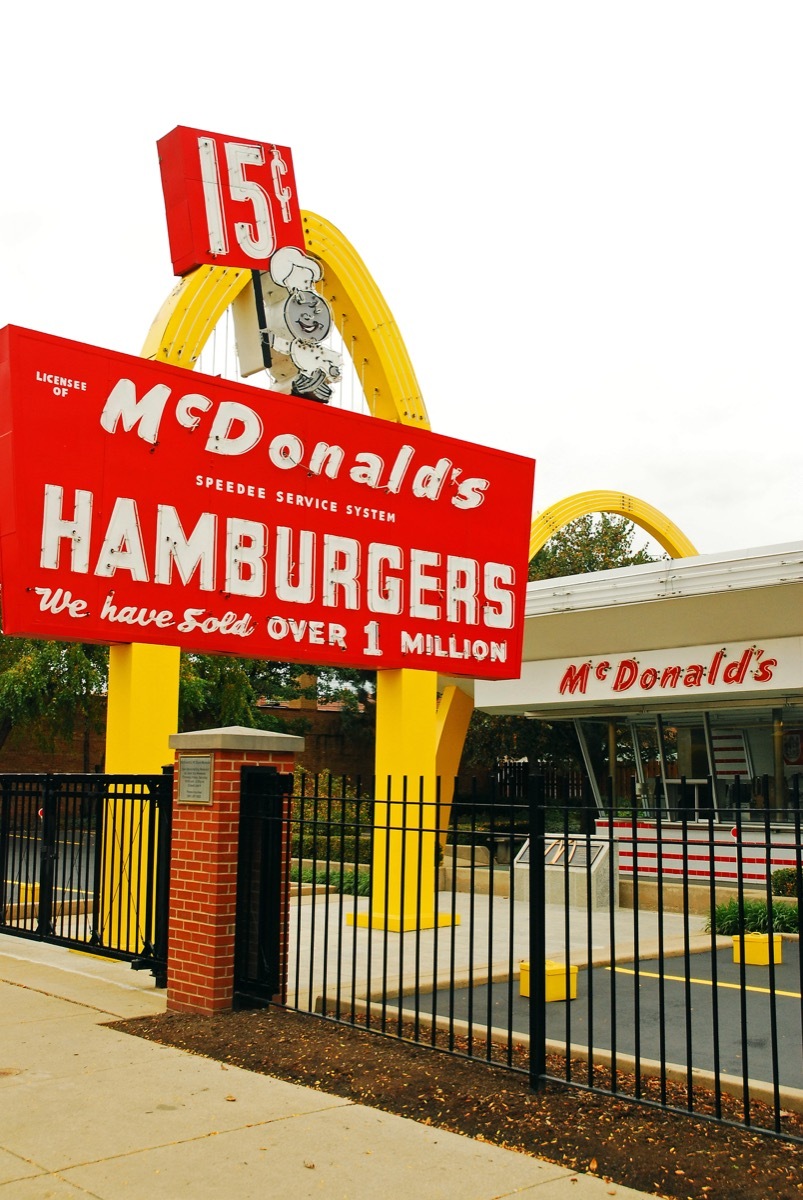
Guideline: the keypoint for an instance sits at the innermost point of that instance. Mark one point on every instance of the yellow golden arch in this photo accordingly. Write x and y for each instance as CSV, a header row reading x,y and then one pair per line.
x,y
419,736
192,310
653,522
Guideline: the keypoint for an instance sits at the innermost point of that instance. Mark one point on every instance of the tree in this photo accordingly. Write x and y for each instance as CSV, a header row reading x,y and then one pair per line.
x,y
595,542
351,687
57,683
58,689
218,690
591,543
491,738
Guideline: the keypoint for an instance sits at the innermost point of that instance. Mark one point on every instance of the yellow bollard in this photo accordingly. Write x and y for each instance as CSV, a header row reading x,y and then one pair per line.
x,y
555,981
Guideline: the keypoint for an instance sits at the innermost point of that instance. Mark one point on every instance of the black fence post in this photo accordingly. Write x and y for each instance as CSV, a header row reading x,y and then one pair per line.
x,y
164,805
47,864
5,823
98,819
149,815
798,884
537,804
634,833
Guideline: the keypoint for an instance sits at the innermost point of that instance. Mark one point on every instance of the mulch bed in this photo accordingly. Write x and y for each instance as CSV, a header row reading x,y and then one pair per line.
x,y
663,1153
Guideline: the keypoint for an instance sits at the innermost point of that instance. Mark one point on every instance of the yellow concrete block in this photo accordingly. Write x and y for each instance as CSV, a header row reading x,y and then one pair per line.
x,y
757,949
555,981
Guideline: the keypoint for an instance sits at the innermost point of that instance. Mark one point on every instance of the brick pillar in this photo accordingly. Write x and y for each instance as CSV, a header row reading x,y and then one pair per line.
x,y
203,868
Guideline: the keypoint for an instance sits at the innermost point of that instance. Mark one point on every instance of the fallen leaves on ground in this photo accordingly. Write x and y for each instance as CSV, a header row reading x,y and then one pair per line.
x,y
644,1147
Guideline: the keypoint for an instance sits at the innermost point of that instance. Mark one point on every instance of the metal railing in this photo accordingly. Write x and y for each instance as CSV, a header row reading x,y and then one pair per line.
x,y
432,923
694,1002
84,861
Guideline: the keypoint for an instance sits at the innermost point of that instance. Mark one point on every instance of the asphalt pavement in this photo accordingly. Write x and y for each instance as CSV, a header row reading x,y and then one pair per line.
x,y
663,1011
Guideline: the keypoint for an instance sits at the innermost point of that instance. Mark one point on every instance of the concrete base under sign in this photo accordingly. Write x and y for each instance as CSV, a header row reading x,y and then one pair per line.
x,y
588,886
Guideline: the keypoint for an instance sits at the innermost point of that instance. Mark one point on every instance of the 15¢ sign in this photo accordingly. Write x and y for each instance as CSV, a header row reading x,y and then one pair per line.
x,y
230,202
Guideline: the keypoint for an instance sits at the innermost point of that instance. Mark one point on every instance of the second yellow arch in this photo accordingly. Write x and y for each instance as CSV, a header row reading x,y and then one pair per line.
x,y
653,522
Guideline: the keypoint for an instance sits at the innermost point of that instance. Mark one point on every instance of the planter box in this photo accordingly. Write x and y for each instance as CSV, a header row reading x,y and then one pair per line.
x,y
757,949
555,981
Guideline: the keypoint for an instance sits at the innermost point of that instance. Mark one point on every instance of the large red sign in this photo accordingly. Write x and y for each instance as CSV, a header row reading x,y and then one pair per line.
x,y
230,202
144,503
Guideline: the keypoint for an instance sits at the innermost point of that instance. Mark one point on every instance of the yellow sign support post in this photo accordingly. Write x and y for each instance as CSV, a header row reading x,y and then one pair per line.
x,y
142,705
406,833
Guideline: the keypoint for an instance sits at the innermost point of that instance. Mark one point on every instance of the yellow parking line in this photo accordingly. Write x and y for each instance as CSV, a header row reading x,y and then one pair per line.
x,y
71,891
707,982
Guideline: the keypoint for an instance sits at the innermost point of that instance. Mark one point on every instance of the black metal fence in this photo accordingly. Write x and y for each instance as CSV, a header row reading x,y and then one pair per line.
x,y
84,861
634,955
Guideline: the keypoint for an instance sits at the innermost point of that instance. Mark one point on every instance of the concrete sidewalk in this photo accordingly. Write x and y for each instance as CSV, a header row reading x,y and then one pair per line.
x,y
493,933
87,1111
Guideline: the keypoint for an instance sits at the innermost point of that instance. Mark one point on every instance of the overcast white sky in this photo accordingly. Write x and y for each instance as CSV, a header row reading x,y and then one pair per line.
x,y
587,217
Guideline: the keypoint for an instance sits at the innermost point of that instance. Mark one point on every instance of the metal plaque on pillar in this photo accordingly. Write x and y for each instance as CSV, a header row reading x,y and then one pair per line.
x,y
195,779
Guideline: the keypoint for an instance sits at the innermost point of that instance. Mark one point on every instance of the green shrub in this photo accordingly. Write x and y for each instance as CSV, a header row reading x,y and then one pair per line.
x,y
785,881
344,882
756,918
334,849
555,820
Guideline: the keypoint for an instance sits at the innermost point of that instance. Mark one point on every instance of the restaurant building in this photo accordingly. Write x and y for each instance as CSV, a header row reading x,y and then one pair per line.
x,y
691,671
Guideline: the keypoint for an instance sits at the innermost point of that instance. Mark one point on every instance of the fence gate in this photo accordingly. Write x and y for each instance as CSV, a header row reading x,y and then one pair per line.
x,y
260,919
84,861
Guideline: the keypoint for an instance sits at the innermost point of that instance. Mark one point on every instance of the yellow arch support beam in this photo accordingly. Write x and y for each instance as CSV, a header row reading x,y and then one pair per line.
x,y
653,522
185,322
367,326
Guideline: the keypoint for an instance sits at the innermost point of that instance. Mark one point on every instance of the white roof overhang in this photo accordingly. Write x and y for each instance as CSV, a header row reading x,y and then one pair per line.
x,y
731,601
